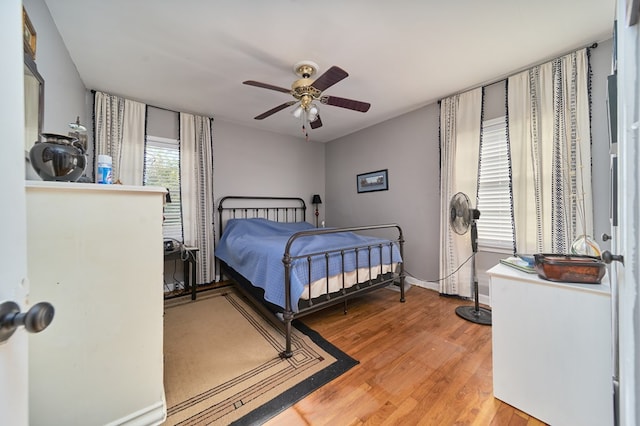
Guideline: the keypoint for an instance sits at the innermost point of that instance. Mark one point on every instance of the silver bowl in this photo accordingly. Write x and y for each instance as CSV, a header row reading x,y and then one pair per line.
x,y
58,158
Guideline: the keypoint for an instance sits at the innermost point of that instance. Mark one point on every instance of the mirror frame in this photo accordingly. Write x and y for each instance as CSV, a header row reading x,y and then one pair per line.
x,y
30,65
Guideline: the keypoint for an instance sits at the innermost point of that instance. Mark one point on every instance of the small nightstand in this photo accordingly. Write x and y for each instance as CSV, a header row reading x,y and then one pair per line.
x,y
188,257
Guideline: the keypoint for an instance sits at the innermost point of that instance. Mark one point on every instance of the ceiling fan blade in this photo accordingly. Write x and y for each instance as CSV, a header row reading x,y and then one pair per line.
x,y
274,110
329,78
345,103
266,86
316,123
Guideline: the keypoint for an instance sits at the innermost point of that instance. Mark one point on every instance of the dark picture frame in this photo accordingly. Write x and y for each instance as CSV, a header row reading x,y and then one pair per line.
x,y
28,35
373,181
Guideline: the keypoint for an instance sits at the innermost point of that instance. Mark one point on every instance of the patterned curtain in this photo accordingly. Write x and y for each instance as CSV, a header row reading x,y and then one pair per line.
x,y
460,125
196,190
120,133
550,138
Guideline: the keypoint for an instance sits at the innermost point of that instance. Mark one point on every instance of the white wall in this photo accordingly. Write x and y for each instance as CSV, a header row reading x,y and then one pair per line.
x,y
408,147
247,161
251,162
65,96
65,93
261,163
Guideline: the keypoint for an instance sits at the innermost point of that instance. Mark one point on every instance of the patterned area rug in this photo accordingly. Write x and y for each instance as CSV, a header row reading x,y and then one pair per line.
x,y
222,362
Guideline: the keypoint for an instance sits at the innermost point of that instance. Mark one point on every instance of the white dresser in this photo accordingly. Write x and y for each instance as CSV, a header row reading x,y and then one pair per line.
x,y
95,253
552,347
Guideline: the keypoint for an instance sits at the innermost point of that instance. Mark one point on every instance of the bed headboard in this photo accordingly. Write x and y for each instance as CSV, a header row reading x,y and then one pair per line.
x,y
279,209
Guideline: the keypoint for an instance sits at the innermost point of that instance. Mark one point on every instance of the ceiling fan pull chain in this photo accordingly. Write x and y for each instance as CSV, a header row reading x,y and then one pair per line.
x,y
305,118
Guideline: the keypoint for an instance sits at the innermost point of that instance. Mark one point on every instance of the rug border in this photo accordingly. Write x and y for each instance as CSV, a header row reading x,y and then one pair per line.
x,y
289,397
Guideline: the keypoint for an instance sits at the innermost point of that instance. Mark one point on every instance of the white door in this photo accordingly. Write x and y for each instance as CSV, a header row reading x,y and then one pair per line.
x,y
628,232
13,233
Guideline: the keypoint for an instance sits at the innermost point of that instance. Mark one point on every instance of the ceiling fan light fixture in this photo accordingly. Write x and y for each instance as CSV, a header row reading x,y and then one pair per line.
x,y
312,113
307,90
297,112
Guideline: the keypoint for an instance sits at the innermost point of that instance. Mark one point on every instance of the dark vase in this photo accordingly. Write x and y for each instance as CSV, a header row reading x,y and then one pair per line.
x,y
58,158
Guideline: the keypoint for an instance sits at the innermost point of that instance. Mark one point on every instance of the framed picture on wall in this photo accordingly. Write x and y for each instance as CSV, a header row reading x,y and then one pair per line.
x,y
373,181
29,35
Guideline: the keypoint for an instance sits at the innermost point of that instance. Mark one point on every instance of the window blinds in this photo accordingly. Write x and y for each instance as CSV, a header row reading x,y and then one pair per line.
x,y
495,226
162,168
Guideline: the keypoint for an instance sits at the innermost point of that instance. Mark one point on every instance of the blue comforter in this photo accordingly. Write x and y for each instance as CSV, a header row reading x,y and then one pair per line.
x,y
255,248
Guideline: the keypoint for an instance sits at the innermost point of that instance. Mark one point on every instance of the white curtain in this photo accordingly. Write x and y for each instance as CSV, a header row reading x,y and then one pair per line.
x,y
460,124
550,141
196,186
120,133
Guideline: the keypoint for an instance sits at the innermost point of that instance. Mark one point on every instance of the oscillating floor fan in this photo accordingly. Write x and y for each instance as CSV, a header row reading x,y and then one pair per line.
x,y
462,217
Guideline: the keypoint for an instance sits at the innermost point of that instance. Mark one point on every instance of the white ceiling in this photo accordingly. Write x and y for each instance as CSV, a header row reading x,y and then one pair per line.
x,y
193,55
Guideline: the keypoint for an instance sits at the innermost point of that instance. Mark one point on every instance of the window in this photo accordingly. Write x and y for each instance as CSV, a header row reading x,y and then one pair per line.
x,y
495,226
162,168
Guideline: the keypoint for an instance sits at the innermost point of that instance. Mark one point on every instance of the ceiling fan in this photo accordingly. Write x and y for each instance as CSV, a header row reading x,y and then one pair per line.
x,y
306,90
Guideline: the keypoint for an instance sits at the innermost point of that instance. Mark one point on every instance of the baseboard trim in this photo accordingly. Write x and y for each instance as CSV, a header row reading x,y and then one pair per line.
x,y
482,299
424,284
154,414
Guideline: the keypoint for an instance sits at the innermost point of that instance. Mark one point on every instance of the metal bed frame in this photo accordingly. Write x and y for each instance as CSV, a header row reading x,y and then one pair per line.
x,y
292,209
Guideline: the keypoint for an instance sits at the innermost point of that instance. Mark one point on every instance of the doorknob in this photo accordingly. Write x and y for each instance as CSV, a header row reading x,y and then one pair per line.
x,y
607,257
34,320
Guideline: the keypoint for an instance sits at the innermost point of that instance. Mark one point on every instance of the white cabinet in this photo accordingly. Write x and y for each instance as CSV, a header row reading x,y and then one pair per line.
x,y
95,253
552,347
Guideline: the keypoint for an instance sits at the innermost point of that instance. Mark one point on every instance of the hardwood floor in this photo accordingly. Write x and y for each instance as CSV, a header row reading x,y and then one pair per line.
x,y
419,364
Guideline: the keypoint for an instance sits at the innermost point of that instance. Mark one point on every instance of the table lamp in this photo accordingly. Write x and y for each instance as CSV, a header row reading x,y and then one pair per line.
x,y
316,200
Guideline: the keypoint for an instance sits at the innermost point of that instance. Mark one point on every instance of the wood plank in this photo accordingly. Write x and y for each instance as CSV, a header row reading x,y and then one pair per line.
x,y
419,364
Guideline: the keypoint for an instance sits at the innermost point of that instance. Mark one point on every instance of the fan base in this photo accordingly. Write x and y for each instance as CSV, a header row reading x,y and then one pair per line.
x,y
305,68
479,316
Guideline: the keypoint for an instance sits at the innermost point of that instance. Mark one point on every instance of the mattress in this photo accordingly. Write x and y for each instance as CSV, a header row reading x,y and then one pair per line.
x,y
335,282
255,248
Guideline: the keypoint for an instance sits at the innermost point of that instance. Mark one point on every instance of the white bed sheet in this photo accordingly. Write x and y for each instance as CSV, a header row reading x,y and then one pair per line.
x,y
319,287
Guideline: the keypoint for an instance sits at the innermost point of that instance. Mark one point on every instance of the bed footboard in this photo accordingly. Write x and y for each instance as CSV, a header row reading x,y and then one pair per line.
x,y
377,274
